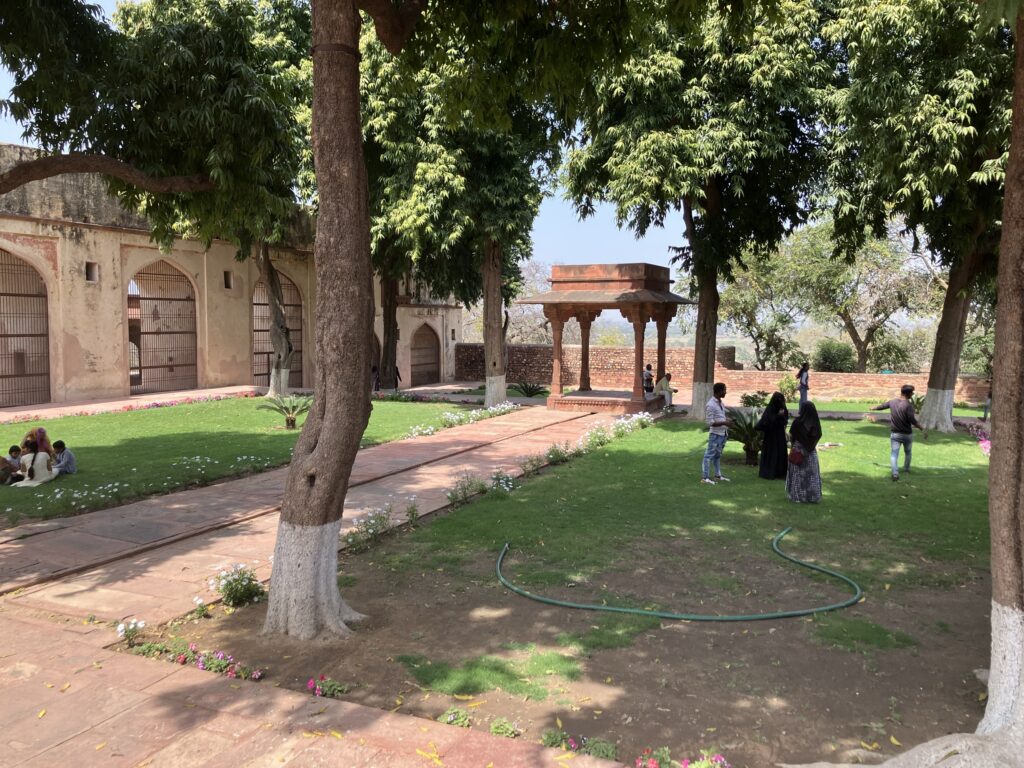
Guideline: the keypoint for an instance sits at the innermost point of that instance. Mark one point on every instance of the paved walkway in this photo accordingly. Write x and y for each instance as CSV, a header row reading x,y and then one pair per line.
x,y
69,698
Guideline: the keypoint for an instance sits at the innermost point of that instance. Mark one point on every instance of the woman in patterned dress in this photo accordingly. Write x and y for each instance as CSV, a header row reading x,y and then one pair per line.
x,y
803,481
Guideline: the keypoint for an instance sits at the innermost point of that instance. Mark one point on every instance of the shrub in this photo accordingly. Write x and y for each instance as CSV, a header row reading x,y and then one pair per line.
x,y
502,482
368,529
532,464
834,356
456,716
325,686
601,748
466,487
743,431
501,726
239,586
130,630
757,399
595,438
289,406
918,402
559,453
788,386
530,389
553,737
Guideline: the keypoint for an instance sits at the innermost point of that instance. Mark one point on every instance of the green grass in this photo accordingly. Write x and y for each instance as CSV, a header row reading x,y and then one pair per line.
x,y
132,454
855,406
611,630
584,518
489,673
854,634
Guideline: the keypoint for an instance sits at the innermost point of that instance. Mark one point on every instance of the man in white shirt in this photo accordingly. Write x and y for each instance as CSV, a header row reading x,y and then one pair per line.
x,y
718,433
664,388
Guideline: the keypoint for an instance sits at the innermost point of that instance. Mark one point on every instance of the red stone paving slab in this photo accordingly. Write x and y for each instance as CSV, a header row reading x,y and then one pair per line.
x,y
38,551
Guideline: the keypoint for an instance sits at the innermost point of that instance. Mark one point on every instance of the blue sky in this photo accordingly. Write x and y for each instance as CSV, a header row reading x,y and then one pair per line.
x,y
559,237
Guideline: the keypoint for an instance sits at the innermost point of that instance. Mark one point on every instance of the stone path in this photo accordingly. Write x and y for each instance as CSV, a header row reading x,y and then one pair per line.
x,y
69,698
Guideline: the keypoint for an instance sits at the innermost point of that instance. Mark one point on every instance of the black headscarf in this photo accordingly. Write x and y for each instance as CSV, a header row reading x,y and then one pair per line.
x,y
775,411
806,428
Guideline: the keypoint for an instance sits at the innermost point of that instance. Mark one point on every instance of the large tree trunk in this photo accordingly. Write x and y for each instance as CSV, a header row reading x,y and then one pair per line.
x,y
706,341
280,368
937,412
304,597
999,741
862,345
389,350
494,331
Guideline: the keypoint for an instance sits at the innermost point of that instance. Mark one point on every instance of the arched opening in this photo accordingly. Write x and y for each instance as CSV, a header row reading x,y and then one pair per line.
x,y
426,357
24,334
262,346
161,330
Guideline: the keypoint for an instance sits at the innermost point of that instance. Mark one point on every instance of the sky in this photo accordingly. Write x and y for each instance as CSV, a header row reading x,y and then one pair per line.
x,y
559,237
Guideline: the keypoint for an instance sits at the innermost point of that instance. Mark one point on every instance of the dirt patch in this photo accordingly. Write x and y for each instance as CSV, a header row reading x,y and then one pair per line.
x,y
759,691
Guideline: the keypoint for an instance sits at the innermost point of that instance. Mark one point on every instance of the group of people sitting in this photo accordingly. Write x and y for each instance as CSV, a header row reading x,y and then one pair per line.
x,y
36,461
663,387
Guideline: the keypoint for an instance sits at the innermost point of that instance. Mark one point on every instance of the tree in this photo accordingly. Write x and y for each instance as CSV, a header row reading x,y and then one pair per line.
x,y
758,304
190,106
920,131
999,739
862,296
719,126
832,355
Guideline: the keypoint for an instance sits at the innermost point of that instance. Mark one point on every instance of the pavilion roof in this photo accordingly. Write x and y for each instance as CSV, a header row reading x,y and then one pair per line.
x,y
608,286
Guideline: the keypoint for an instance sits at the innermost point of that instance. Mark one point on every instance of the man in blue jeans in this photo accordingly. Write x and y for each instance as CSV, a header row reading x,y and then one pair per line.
x,y
904,420
718,433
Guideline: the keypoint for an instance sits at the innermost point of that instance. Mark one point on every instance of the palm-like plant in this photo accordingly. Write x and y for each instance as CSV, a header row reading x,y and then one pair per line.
x,y
530,389
289,406
743,430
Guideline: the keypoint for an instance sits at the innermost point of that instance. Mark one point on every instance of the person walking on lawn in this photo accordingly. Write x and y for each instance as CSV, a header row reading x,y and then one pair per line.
x,y
718,433
903,420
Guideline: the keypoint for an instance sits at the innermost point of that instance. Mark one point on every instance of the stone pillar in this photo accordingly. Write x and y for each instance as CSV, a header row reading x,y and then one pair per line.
x,y
585,320
555,318
638,317
662,333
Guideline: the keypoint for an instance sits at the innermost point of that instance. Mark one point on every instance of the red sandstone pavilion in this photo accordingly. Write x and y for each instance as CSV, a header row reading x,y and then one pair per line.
x,y
581,292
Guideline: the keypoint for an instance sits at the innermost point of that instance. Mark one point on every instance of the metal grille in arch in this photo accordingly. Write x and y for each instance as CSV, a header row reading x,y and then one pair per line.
x,y
262,346
161,330
24,334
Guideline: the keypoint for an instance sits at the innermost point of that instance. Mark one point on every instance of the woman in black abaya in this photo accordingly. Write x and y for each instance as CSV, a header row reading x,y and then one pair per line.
x,y
772,425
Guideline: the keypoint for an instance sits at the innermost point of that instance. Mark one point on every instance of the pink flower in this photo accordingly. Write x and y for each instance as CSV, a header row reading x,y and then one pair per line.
x,y
652,763
181,658
311,684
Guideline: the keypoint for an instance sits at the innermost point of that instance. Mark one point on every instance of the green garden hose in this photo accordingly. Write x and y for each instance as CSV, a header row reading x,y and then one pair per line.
x,y
857,594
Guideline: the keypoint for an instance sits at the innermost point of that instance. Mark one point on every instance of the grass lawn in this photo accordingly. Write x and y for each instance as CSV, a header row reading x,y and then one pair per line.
x,y
630,525
927,528
853,406
128,455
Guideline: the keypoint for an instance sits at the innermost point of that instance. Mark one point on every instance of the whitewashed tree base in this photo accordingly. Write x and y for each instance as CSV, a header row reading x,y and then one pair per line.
x,y
937,412
278,382
305,605
702,392
496,391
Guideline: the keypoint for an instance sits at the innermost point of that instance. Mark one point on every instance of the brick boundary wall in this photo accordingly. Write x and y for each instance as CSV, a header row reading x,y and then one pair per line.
x,y
612,368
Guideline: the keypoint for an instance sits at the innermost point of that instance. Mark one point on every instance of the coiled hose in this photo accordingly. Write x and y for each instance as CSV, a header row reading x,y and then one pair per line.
x,y
858,593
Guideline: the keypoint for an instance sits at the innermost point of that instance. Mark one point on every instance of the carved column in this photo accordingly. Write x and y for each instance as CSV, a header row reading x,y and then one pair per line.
x,y
663,316
638,317
555,318
585,319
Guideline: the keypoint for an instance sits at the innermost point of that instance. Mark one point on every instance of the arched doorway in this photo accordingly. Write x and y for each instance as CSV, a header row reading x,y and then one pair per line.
x,y
426,357
24,334
262,346
161,330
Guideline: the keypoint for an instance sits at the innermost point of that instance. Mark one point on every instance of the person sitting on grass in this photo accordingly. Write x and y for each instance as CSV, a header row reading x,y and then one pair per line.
x,y
65,463
36,466
38,436
664,388
10,465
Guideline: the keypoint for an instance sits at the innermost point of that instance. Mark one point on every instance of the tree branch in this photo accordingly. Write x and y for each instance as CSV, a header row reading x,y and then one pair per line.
x,y
74,162
394,23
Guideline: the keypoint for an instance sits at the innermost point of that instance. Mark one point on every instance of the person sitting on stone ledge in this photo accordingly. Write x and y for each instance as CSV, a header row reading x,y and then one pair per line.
x,y
664,388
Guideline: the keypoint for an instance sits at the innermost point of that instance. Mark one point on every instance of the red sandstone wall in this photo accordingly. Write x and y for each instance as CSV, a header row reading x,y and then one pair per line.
x,y
612,368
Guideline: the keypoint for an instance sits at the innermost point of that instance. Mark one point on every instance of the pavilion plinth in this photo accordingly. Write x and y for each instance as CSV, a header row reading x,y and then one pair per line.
x,y
581,292
604,401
